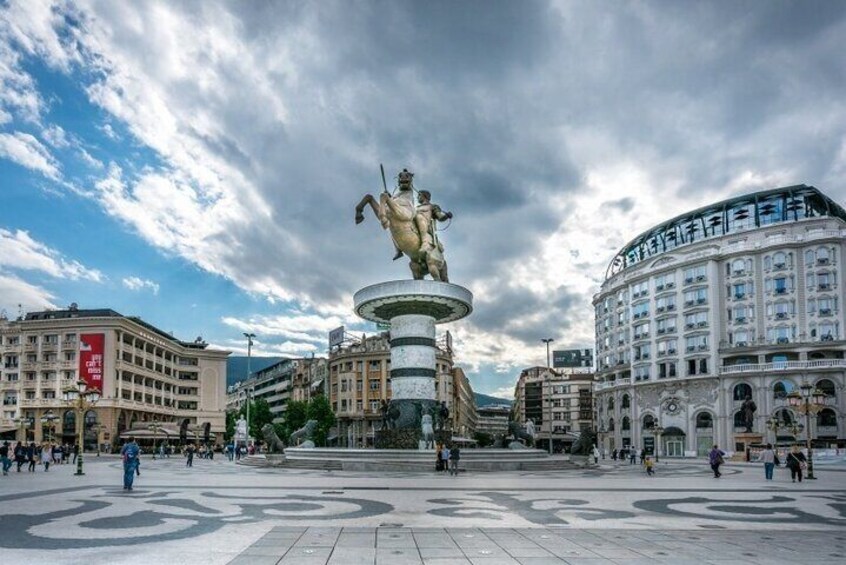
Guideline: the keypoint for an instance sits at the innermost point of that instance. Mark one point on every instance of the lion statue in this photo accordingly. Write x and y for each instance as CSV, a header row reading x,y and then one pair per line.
x,y
518,432
584,443
305,434
274,443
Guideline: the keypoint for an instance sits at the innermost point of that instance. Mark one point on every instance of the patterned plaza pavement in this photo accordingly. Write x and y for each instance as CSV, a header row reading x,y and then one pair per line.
x,y
218,512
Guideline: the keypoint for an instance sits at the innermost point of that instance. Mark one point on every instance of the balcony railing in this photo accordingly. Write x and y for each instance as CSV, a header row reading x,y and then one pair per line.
x,y
782,366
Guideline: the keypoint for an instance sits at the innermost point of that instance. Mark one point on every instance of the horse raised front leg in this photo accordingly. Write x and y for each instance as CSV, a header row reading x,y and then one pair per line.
x,y
359,210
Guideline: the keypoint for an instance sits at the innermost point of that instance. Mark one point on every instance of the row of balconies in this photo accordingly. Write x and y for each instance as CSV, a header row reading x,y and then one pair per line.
x,y
783,366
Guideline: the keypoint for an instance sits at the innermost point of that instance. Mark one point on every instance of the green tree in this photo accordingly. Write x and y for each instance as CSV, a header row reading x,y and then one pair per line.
x,y
231,418
484,439
260,415
296,414
320,409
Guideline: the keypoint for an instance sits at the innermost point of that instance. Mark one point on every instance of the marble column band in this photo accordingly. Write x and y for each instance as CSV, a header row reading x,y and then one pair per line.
x,y
412,309
413,357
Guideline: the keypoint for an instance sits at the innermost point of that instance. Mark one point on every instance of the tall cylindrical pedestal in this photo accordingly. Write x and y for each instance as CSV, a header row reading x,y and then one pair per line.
x,y
412,308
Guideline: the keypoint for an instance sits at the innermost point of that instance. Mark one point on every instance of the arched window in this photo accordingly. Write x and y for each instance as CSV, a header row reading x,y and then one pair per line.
x,y
626,402
741,391
779,260
827,417
627,424
782,388
648,422
705,420
809,257
827,387
611,424
610,403
739,419
784,416
738,266
822,254
69,423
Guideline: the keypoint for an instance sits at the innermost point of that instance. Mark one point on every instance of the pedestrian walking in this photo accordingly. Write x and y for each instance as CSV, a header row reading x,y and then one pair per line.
x,y
770,459
797,463
614,455
650,466
75,452
715,458
20,455
189,451
444,458
632,456
32,456
4,457
595,455
46,456
129,453
454,458
642,456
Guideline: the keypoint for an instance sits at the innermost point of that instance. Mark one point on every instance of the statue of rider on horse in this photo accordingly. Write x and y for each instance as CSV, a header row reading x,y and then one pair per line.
x,y
413,227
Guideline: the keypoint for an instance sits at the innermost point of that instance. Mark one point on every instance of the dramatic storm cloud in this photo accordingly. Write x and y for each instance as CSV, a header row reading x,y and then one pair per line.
x,y
236,138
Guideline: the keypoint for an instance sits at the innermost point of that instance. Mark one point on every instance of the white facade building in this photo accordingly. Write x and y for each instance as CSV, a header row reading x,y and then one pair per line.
x,y
742,298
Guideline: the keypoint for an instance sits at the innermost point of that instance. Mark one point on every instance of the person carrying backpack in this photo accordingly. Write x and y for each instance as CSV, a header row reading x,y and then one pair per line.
x,y
715,458
129,452
797,463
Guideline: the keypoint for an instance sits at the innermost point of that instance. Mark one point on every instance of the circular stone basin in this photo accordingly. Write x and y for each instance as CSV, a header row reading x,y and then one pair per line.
x,y
442,301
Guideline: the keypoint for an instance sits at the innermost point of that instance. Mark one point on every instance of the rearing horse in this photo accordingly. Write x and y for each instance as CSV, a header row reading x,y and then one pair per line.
x,y
396,213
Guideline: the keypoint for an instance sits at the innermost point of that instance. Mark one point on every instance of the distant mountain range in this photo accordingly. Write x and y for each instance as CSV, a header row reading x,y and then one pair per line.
x,y
487,400
236,371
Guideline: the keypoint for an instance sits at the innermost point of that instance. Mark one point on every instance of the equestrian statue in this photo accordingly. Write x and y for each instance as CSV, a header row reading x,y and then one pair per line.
x,y
413,226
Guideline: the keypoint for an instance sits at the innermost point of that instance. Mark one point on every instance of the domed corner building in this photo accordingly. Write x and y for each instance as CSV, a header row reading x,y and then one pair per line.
x,y
740,298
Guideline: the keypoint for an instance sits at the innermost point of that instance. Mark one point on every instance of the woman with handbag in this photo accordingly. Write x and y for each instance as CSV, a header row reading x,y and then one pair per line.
x,y
715,457
797,463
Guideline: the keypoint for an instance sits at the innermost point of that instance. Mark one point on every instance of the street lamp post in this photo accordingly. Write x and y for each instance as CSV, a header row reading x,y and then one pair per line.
x,y
154,427
24,423
657,431
249,337
81,399
48,423
547,341
809,401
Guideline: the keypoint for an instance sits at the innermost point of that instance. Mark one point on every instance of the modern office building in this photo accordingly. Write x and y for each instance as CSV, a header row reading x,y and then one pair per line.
x,y
558,403
359,379
286,380
145,375
493,419
734,300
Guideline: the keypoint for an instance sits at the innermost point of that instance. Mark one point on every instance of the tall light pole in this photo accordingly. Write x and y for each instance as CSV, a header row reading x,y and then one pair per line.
x,y
249,337
809,401
81,399
48,422
547,341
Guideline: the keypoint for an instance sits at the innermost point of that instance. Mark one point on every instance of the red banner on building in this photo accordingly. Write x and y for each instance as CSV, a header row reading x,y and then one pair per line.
x,y
91,349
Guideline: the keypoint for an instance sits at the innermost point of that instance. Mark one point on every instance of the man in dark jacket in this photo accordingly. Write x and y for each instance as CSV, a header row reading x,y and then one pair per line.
x,y
454,458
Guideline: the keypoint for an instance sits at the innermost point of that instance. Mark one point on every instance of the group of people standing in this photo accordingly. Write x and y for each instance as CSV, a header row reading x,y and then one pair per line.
x,y
32,454
447,458
795,461
629,453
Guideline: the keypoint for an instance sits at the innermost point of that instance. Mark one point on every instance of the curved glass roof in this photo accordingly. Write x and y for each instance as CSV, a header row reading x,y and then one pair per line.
x,y
779,205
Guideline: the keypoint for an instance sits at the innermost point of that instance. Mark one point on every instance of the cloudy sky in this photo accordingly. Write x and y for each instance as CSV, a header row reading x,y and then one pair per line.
x,y
197,163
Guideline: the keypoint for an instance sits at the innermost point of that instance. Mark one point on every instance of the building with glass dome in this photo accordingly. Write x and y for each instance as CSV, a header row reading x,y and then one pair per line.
x,y
738,299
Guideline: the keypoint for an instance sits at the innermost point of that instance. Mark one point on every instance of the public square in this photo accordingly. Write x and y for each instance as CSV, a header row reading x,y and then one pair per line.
x,y
222,512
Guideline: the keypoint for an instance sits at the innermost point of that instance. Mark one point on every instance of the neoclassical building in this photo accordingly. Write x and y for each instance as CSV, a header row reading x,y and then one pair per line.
x,y
145,376
740,298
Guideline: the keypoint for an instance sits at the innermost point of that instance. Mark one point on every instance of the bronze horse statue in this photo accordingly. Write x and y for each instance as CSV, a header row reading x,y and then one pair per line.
x,y
396,213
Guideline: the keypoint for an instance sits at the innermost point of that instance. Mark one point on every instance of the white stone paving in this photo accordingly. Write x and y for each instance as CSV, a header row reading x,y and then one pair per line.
x,y
217,510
